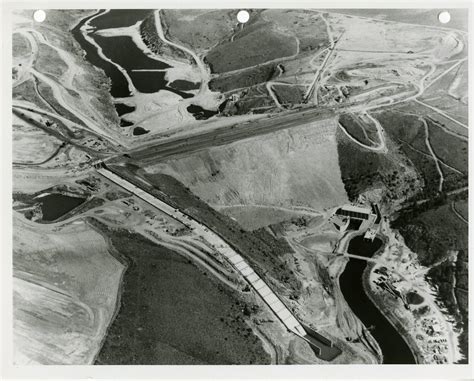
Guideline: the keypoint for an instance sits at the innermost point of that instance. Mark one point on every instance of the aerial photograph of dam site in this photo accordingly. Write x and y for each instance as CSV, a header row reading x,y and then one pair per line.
x,y
193,187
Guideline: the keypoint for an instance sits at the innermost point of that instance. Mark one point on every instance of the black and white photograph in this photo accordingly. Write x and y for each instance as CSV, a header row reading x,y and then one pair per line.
x,y
253,186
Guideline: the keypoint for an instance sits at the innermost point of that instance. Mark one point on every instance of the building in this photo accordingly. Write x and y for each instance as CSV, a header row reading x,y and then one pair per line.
x,y
355,217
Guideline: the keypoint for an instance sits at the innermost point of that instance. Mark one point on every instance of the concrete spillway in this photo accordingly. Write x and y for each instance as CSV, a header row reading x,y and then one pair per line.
x,y
322,348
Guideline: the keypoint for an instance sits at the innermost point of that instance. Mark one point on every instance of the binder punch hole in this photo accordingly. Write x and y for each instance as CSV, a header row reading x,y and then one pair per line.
x,y
243,17
444,17
39,15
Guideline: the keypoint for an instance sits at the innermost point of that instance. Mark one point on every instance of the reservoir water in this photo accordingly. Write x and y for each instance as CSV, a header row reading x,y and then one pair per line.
x,y
147,74
118,18
119,88
56,205
394,348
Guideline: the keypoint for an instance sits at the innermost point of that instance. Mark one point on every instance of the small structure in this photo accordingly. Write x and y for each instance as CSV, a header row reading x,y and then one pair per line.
x,y
353,217
372,231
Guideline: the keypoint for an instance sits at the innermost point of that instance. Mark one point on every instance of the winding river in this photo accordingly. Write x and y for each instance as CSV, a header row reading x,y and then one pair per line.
x,y
394,348
127,66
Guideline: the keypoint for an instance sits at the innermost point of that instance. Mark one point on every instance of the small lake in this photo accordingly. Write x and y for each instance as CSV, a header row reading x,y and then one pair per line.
x,y
123,109
394,348
56,205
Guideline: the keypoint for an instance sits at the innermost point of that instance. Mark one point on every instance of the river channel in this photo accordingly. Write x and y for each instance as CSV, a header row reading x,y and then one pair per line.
x,y
146,73
394,348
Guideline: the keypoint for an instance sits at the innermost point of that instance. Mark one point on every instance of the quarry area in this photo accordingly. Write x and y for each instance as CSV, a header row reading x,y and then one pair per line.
x,y
188,189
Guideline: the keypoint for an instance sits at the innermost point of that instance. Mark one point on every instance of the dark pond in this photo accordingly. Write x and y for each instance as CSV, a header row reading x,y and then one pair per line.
x,y
125,123
395,350
140,131
200,113
414,298
123,109
181,84
56,205
123,51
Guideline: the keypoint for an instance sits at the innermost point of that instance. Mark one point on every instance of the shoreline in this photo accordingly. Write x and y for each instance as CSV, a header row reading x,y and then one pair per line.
x,y
366,288
404,334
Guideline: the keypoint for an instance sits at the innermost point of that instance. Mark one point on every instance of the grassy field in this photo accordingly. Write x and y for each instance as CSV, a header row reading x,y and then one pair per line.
x,y
193,29
462,207
47,93
49,62
294,167
252,100
260,45
462,296
172,313
362,169
448,148
355,126
408,132
245,78
26,91
404,129
20,46
289,95
306,25
265,252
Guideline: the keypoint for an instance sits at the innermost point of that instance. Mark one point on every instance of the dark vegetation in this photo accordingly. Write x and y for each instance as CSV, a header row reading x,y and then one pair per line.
x,y
408,132
193,28
245,78
427,223
433,231
49,62
52,126
26,91
414,298
462,298
46,93
173,313
255,99
20,45
255,44
362,169
462,207
259,247
289,95
363,132
260,44
448,148
151,39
